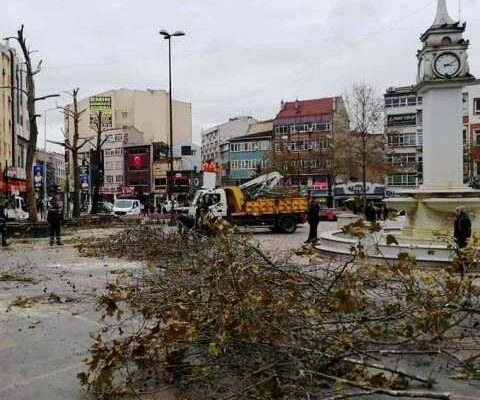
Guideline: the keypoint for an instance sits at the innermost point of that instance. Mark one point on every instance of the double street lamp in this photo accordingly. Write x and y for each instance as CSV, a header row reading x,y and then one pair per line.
x,y
168,36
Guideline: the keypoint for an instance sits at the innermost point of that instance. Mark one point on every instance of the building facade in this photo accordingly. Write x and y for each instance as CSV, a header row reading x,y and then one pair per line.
x,y
250,155
404,135
403,130
215,142
304,138
129,117
138,168
14,122
471,119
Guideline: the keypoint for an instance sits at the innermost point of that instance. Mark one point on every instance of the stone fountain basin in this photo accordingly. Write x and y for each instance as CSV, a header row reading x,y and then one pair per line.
x,y
425,251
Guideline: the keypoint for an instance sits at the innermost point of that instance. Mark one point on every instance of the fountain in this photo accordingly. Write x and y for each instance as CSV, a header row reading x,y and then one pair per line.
x,y
443,71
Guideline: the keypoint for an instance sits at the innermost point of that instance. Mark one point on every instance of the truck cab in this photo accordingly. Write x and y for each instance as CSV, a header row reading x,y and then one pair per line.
x,y
215,200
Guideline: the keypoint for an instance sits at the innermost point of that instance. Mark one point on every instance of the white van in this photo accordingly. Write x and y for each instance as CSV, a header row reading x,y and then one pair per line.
x,y
17,209
123,207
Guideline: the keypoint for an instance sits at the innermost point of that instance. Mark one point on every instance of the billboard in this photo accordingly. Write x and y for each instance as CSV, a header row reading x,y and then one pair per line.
x,y
38,175
402,120
103,104
84,176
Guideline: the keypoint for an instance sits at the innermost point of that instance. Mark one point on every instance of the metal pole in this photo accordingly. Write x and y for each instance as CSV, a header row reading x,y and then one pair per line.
x,y
45,164
170,181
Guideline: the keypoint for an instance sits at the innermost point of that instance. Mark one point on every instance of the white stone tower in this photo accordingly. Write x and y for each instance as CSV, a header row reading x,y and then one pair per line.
x,y
442,72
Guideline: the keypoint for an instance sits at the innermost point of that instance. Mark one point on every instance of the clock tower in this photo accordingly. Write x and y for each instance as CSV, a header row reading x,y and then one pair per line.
x,y
443,71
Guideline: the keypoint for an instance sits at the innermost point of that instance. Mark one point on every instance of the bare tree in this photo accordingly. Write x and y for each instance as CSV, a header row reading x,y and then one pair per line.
x,y
74,147
96,161
32,116
366,112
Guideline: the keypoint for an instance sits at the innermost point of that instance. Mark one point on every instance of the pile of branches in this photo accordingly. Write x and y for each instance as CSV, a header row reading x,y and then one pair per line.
x,y
219,319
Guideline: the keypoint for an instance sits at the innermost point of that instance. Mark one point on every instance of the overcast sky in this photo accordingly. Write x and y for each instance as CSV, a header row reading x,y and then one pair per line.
x,y
239,56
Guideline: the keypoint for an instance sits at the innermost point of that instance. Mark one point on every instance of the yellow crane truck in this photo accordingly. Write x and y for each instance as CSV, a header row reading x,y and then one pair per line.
x,y
249,205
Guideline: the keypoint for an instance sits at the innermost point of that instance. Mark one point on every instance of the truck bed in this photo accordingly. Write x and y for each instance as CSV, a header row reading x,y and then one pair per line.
x,y
283,205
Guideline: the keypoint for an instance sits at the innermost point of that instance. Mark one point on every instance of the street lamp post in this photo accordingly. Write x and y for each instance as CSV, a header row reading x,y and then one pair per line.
x,y
168,36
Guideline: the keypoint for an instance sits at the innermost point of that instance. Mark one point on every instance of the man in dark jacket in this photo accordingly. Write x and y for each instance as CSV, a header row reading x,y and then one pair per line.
x,y
313,220
462,228
370,213
3,225
54,218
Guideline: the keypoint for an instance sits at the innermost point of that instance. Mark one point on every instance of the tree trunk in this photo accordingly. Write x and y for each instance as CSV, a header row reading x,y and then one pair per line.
x,y
76,173
32,117
76,185
364,172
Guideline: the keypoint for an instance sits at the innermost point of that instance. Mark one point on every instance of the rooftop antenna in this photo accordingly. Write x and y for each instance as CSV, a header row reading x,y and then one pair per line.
x,y
460,10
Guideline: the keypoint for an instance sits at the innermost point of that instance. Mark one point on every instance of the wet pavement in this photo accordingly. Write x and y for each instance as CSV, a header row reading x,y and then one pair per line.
x,y
44,339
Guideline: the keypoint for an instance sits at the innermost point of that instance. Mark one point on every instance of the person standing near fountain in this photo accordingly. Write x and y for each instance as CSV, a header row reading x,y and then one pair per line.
x,y
462,228
313,221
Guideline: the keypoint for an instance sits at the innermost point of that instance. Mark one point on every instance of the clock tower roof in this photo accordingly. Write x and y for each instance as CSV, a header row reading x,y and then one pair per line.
x,y
442,18
443,23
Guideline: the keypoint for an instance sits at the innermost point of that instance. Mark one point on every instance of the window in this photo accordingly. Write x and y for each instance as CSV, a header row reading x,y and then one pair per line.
x,y
109,165
109,179
119,178
281,129
124,114
161,183
402,180
402,140
118,137
323,126
119,152
402,101
476,106
403,160
477,137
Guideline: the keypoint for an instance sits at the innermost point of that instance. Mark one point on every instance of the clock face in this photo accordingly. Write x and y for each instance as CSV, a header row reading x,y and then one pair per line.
x,y
447,65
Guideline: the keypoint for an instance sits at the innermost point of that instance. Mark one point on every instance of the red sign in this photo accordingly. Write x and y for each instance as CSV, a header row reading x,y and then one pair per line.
x,y
128,189
17,187
320,185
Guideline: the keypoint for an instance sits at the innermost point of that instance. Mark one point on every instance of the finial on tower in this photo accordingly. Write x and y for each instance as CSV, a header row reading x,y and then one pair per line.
x,y
442,16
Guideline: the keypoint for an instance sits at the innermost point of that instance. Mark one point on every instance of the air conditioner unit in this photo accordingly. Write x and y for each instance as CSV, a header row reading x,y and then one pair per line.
x,y
310,129
310,147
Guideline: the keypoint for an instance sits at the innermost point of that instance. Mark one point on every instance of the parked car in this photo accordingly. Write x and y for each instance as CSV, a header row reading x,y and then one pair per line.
x,y
328,214
123,207
17,209
105,206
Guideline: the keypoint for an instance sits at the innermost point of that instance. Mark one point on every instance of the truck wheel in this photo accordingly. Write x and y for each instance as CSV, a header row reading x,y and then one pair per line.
x,y
288,224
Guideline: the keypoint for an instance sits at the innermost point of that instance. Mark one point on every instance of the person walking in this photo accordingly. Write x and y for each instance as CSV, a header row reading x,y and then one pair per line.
x,y
54,218
313,220
370,213
3,225
462,228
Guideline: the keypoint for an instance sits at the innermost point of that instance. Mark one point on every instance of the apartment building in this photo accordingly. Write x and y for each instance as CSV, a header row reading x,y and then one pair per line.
x,y
471,133
14,122
303,139
403,130
216,146
251,154
129,117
